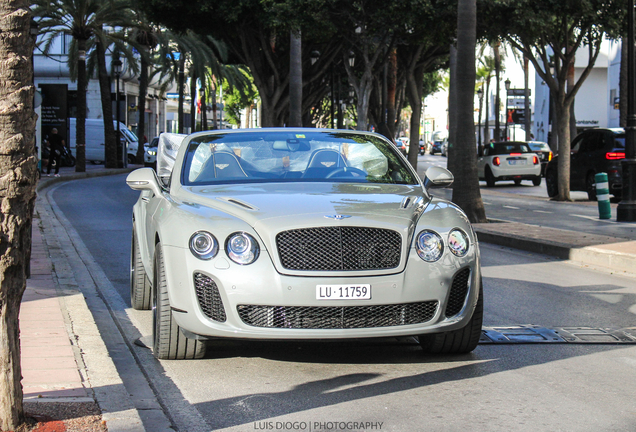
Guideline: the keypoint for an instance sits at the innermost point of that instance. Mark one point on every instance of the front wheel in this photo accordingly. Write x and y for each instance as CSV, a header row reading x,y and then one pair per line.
x,y
168,342
490,179
140,288
460,341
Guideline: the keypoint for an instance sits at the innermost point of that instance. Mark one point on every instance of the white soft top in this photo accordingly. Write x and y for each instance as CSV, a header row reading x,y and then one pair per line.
x,y
167,150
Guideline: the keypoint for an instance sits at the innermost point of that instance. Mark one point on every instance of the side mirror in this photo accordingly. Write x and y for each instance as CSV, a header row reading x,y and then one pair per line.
x,y
437,177
144,179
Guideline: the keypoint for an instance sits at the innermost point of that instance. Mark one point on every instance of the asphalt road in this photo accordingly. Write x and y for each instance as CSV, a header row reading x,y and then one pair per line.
x,y
319,386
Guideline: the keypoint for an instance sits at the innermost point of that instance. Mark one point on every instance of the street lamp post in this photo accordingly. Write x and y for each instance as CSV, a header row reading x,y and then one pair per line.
x,y
116,64
626,211
507,83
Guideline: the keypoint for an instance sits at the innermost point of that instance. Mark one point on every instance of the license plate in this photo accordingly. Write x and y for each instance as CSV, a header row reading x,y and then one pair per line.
x,y
343,292
517,162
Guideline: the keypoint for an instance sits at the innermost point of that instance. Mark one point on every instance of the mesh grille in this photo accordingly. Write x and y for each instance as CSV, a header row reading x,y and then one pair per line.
x,y
337,317
339,248
458,292
209,297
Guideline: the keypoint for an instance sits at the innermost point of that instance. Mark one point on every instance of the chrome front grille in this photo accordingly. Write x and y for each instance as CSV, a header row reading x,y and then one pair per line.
x,y
209,298
337,317
339,248
458,291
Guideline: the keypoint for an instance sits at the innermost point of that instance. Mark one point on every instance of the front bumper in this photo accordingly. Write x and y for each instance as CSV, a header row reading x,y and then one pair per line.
x,y
259,287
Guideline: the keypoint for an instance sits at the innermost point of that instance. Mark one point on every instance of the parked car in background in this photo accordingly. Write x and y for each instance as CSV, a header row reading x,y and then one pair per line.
x,y
544,152
592,151
509,160
405,141
150,156
274,234
437,139
444,148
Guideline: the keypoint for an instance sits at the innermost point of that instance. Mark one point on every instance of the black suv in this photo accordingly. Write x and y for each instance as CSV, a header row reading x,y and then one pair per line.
x,y
592,151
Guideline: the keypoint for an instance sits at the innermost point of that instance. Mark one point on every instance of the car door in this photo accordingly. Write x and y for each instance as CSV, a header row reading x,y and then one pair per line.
x,y
579,159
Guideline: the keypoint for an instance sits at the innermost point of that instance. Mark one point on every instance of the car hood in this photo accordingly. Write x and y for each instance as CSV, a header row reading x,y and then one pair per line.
x,y
281,206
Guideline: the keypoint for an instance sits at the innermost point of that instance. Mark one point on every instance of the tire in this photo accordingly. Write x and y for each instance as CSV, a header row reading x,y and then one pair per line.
x,y
168,342
460,341
68,161
490,179
536,181
131,160
551,183
517,182
140,288
590,186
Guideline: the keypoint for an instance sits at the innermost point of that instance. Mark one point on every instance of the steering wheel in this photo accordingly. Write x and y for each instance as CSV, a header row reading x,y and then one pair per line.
x,y
349,171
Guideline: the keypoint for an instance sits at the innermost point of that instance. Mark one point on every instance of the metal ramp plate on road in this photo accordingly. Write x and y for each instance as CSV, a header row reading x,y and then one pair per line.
x,y
532,334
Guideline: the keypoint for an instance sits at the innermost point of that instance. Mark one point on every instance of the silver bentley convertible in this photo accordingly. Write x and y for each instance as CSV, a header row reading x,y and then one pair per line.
x,y
299,234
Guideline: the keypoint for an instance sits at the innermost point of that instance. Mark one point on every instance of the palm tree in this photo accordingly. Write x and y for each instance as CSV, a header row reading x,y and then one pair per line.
x,y
488,66
18,169
82,19
466,192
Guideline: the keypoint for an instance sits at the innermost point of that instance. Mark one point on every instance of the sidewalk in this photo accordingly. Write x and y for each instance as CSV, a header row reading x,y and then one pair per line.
x,y
52,363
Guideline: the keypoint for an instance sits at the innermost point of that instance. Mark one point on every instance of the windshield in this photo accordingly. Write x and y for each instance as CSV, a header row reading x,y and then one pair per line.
x,y
539,146
280,156
130,135
509,147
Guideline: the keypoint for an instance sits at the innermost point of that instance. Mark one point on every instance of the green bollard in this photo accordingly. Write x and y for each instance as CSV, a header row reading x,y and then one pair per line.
x,y
602,196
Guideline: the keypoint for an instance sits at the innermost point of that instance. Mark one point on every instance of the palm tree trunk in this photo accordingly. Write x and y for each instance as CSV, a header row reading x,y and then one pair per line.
x,y
193,102
141,107
415,84
110,147
181,84
390,96
466,193
204,106
497,96
452,111
214,122
80,133
18,169
526,100
487,119
295,79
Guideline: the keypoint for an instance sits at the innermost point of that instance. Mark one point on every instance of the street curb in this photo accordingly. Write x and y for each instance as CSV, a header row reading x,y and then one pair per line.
x,y
591,255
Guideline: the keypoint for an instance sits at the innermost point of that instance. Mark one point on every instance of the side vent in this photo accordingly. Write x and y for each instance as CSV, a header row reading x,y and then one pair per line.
x,y
458,292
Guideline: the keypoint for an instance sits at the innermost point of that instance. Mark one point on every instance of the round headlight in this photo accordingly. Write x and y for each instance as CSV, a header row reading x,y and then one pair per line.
x,y
242,248
458,242
203,245
429,246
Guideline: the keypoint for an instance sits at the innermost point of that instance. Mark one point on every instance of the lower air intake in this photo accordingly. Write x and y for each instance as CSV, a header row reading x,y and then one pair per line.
x,y
337,317
209,297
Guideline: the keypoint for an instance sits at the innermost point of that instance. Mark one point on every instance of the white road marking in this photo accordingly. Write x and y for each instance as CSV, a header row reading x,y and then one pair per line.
x,y
511,207
542,211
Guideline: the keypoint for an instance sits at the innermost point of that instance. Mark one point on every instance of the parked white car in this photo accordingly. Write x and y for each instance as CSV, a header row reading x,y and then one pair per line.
x,y
509,161
299,234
